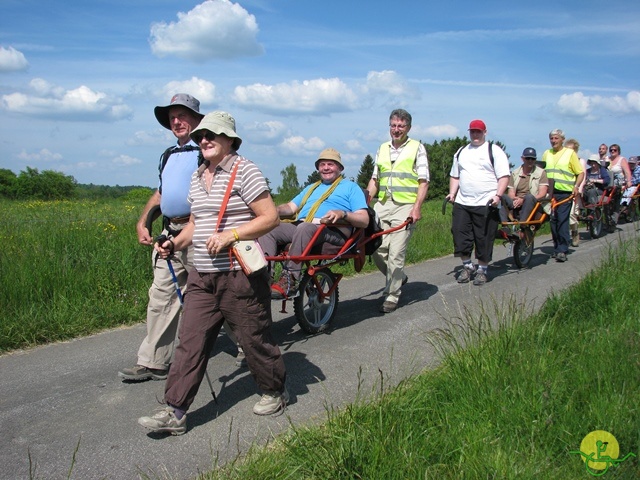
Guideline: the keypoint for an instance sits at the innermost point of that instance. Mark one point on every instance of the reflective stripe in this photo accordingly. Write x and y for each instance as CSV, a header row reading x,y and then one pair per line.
x,y
398,179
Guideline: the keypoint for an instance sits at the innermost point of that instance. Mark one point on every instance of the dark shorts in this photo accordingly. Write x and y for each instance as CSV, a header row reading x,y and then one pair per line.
x,y
474,227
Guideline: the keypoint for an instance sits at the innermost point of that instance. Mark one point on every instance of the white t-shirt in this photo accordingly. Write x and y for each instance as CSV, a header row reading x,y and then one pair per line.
x,y
478,178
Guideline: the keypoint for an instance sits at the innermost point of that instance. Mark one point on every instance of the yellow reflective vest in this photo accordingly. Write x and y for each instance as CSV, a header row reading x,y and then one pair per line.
x,y
564,179
398,180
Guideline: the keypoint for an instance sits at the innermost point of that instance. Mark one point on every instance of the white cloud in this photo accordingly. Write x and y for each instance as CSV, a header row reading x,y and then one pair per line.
x,y
591,107
436,131
160,136
390,83
79,104
320,96
302,146
43,155
269,132
203,90
353,145
213,29
125,160
12,60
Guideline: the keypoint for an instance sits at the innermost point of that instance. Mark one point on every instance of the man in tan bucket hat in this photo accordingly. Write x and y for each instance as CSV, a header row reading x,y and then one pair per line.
x,y
333,198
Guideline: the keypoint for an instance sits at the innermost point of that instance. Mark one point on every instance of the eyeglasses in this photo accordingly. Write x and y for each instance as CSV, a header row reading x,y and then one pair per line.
x,y
613,149
398,126
209,136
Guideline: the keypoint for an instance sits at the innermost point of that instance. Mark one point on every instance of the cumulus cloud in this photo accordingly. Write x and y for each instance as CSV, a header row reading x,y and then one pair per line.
x,y
203,90
270,132
389,82
125,160
213,29
436,131
159,136
12,60
353,145
302,146
80,104
591,107
320,96
43,155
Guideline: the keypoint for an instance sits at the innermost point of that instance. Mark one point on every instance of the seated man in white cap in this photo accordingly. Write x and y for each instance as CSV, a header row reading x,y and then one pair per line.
x,y
332,199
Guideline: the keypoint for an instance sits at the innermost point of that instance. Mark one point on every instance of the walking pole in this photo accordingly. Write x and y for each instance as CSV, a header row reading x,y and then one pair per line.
x,y
161,239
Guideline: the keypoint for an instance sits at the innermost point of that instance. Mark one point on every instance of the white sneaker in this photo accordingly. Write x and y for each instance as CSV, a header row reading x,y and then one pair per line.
x,y
271,403
165,420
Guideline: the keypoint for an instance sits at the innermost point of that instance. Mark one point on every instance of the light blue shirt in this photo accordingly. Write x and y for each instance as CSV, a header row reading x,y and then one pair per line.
x,y
176,180
347,196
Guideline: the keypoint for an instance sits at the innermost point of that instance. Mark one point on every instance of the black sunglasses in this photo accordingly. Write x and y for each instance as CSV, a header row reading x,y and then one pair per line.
x,y
210,136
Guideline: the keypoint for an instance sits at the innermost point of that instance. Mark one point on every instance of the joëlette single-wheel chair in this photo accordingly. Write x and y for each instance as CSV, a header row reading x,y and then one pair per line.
x,y
522,233
316,302
598,215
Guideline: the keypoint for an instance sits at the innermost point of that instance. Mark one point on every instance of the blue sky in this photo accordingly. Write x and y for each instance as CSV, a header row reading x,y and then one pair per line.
x,y
79,80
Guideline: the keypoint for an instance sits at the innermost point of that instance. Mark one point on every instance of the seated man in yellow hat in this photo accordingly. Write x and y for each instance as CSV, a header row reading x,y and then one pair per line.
x,y
332,199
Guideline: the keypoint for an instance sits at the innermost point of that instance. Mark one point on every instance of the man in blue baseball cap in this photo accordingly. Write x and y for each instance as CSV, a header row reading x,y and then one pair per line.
x,y
528,184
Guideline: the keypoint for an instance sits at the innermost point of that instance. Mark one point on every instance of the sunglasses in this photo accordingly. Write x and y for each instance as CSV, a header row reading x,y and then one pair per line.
x,y
613,149
209,136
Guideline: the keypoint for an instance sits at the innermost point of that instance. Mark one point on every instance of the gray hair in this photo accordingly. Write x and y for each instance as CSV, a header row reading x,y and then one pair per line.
x,y
556,131
402,115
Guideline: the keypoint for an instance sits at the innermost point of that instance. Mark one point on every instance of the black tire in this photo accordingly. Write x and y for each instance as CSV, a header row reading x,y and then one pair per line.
x,y
595,225
315,315
523,249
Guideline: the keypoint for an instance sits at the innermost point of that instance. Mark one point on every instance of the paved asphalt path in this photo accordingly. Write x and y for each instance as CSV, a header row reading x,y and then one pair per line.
x,y
65,401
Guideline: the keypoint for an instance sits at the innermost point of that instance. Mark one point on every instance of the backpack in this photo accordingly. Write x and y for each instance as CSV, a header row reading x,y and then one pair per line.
x,y
490,153
372,227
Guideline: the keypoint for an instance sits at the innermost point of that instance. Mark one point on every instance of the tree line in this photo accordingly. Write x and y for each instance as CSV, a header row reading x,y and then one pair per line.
x,y
31,184
52,185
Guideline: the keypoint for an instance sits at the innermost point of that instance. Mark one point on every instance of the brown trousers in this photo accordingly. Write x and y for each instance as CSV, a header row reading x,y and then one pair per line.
x,y
245,303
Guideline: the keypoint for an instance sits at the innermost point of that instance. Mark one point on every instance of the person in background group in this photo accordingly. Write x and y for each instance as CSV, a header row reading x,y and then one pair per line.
x,y
333,199
565,176
528,185
596,180
400,180
602,152
574,224
217,288
479,176
621,176
177,164
635,181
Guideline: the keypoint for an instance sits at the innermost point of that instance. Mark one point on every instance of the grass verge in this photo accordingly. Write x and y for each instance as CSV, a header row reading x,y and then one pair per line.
x,y
513,397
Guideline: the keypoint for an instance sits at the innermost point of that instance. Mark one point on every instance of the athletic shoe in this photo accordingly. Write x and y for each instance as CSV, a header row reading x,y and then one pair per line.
x,y
561,257
575,238
140,373
271,403
165,421
285,287
480,278
465,274
241,359
388,307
